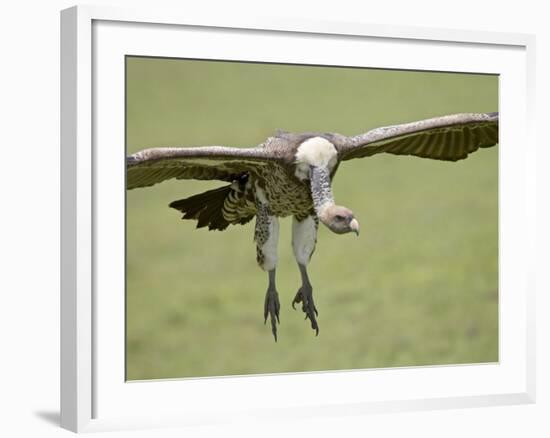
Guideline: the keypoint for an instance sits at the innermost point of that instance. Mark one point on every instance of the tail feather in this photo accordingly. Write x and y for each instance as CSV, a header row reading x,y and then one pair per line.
x,y
193,205
207,208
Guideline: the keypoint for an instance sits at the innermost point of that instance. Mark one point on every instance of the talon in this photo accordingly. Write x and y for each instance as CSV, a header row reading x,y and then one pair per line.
x,y
304,295
297,299
271,309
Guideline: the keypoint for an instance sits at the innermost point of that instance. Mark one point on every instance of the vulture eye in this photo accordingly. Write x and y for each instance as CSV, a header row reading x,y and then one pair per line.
x,y
339,217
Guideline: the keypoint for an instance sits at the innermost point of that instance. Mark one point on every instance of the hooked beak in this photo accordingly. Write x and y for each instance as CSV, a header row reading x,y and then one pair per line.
x,y
354,225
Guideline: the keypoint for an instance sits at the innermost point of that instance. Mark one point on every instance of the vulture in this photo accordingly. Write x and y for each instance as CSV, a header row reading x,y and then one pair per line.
x,y
290,174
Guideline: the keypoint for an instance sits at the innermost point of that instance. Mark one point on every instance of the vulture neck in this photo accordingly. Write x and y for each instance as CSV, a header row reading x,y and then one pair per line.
x,y
321,191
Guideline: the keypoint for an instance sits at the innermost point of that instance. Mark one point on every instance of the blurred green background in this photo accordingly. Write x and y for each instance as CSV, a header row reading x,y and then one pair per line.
x,y
418,287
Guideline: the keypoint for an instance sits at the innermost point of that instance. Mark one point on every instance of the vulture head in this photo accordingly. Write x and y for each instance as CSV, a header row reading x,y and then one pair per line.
x,y
339,220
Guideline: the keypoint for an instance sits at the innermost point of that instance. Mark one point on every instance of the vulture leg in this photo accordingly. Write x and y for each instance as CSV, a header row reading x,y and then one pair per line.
x,y
271,304
304,238
266,236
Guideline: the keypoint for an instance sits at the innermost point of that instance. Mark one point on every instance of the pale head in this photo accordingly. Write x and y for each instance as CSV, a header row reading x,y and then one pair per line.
x,y
339,220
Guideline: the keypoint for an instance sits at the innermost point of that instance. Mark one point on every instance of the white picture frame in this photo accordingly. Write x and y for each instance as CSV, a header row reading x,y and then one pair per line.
x,y
94,396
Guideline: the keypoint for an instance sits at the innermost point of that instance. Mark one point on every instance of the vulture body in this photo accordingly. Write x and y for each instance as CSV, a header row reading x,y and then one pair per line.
x,y
290,175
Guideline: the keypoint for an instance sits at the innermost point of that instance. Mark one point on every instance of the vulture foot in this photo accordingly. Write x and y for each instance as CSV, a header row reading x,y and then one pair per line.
x,y
305,296
271,308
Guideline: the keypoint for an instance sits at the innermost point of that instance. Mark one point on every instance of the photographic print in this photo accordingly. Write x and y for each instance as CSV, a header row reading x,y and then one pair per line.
x,y
294,218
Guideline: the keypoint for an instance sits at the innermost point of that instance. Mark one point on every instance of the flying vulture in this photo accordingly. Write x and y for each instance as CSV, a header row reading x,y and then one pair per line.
x,y
290,175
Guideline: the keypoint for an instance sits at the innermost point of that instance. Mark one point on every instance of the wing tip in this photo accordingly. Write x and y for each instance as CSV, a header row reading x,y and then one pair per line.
x,y
131,160
493,116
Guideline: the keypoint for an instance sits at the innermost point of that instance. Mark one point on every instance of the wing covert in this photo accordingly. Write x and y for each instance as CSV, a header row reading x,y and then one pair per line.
x,y
448,138
152,166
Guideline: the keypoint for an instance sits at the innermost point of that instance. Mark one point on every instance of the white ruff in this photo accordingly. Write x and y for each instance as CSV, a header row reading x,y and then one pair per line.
x,y
315,151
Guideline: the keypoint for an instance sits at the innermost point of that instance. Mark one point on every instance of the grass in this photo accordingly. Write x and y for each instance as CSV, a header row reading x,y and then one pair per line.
x,y
418,287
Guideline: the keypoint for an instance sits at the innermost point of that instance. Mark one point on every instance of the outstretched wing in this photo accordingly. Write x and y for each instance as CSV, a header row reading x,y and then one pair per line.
x,y
448,138
152,166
